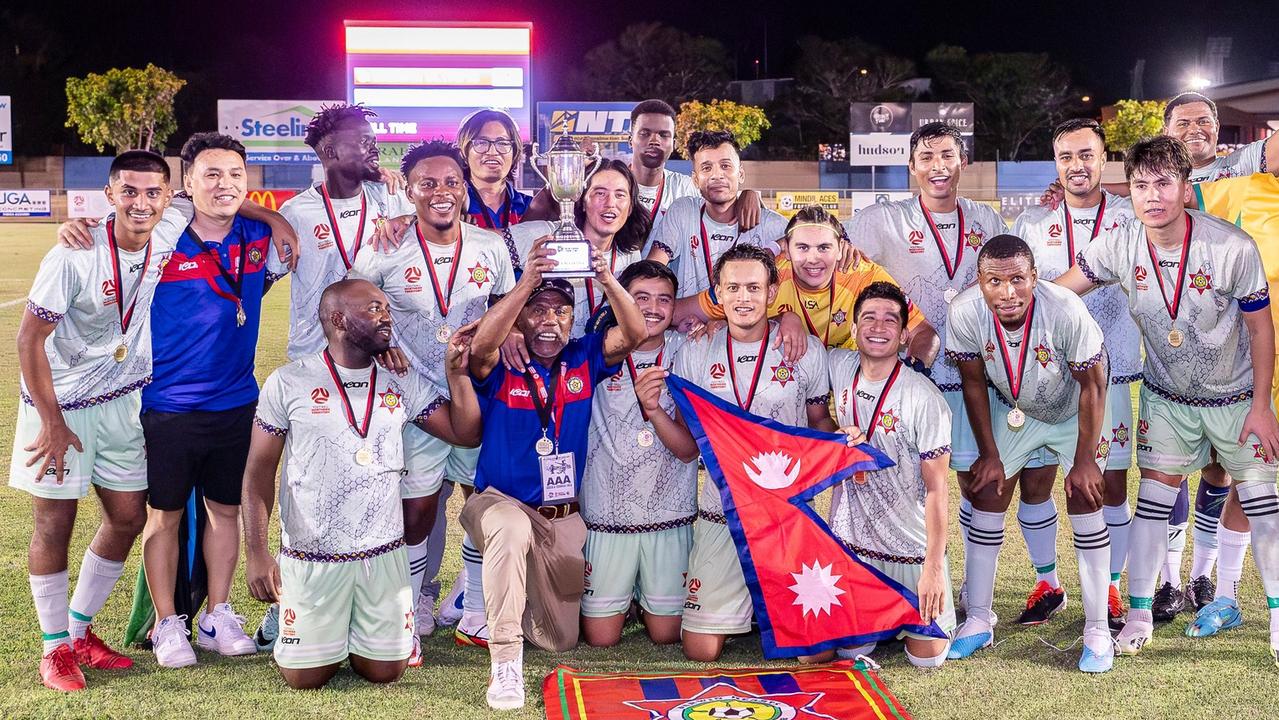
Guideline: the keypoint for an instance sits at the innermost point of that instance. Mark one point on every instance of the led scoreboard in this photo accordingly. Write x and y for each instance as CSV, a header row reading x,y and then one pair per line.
x,y
422,78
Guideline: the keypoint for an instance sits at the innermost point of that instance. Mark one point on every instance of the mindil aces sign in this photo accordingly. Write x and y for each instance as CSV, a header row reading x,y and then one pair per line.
x,y
273,131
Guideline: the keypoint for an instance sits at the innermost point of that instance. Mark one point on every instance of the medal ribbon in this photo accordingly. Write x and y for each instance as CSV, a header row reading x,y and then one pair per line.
x,y
1070,227
879,405
1014,384
236,282
830,313
590,285
361,429
1174,306
547,405
706,253
951,268
630,366
657,204
348,259
442,298
759,366
126,316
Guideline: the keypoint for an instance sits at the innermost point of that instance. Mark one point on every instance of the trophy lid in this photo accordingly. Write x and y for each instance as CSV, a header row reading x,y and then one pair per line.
x,y
565,144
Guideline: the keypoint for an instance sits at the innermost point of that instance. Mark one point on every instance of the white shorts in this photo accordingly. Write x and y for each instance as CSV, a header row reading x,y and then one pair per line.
x,y
718,602
649,566
114,454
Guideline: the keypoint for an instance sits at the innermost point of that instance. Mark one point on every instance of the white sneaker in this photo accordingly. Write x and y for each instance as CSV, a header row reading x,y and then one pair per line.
x,y
506,685
451,608
424,615
170,644
222,631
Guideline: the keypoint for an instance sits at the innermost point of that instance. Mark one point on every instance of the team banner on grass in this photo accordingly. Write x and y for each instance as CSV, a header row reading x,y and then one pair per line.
x,y
839,691
811,592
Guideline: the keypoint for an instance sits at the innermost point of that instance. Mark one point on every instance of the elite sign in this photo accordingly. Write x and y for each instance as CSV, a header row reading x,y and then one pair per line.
x,y
273,131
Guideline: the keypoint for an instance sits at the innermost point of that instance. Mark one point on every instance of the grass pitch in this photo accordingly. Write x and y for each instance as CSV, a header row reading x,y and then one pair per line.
x,y
1023,677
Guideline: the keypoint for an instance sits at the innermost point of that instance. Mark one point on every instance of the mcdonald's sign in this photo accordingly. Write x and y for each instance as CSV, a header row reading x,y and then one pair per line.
x,y
271,199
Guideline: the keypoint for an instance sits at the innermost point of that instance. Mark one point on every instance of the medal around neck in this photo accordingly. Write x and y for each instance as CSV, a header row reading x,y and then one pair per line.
x,y
544,446
566,178
645,438
1016,418
444,333
121,352
1176,337
364,456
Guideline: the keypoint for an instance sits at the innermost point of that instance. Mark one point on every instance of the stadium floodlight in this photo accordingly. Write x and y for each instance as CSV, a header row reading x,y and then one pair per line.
x,y
1198,82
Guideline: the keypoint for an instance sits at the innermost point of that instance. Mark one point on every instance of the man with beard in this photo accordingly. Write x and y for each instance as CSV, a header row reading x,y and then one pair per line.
x,y
524,518
1088,215
1037,347
441,279
342,578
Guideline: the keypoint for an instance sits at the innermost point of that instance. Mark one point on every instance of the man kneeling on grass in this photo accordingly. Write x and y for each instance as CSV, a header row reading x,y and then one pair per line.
x,y
343,579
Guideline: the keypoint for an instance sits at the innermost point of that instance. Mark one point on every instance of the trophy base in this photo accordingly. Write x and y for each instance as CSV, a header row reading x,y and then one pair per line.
x,y
572,258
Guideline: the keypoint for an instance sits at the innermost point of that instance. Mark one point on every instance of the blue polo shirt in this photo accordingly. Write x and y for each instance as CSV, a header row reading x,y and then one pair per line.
x,y
511,212
508,461
203,359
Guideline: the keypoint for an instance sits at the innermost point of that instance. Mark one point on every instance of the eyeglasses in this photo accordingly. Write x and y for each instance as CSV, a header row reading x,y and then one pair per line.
x,y
483,145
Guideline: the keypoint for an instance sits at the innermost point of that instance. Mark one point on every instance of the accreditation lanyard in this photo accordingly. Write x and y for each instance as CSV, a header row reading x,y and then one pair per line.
x,y
443,296
657,204
759,366
706,252
830,313
549,405
590,285
126,315
1174,305
1070,228
361,428
630,366
879,404
490,219
235,282
1014,380
348,258
952,267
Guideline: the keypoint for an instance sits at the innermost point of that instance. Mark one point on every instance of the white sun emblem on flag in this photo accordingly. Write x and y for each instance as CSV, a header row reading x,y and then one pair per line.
x,y
769,471
816,589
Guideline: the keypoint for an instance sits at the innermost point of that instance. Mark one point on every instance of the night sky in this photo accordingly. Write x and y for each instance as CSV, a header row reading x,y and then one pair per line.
x,y
294,50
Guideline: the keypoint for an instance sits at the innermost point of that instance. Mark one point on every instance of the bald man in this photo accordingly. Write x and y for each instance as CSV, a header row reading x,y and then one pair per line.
x,y
342,579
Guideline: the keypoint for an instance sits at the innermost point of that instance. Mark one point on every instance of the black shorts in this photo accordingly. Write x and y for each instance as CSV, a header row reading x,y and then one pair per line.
x,y
196,449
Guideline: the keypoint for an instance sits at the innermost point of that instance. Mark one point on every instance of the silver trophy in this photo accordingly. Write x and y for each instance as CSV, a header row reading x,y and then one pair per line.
x,y
566,178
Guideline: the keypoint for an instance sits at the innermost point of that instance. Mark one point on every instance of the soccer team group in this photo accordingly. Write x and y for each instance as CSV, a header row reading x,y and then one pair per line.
x,y
431,352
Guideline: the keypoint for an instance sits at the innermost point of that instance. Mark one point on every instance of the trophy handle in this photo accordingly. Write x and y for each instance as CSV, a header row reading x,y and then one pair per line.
x,y
533,157
594,161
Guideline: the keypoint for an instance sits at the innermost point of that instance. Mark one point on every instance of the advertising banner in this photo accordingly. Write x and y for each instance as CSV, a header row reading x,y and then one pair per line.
x,y
271,199
608,124
787,202
25,203
6,132
879,133
273,131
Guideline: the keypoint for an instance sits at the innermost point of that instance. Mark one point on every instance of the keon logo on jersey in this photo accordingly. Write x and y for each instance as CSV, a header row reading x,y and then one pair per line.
x,y
322,232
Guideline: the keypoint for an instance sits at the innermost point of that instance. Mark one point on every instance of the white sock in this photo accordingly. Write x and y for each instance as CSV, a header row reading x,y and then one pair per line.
x,y
965,517
473,597
1092,548
1039,527
435,543
417,568
1118,523
1148,542
97,578
50,595
1233,547
986,536
1172,559
1260,503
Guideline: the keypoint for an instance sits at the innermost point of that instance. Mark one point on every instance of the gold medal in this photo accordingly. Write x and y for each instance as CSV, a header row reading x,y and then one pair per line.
x,y
364,455
444,333
1176,337
544,446
1016,418
121,352
949,294
645,438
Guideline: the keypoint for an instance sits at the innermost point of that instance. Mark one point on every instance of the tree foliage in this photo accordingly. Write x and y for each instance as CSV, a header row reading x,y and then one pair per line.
x,y
830,75
127,109
1134,120
1017,97
746,122
651,60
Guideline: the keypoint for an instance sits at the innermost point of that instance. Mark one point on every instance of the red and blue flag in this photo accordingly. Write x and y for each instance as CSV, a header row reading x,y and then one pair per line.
x,y
811,592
